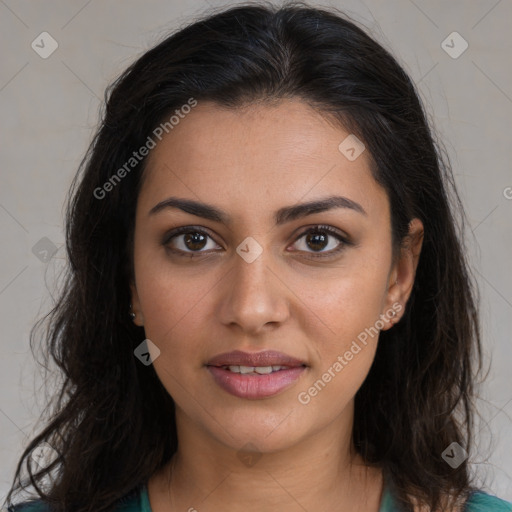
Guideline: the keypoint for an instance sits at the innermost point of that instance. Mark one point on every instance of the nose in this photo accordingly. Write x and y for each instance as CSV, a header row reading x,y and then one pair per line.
x,y
252,296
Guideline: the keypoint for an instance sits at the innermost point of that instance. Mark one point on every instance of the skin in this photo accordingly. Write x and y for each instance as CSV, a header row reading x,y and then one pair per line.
x,y
250,162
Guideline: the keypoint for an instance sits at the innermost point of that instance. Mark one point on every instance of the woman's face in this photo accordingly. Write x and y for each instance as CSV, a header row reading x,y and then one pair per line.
x,y
253,272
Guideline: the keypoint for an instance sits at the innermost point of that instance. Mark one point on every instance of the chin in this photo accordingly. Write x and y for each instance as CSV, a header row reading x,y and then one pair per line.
x,y
265,432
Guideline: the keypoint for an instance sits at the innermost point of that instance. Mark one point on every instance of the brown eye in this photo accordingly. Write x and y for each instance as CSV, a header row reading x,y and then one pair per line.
x,y
194,241
188,240
319,238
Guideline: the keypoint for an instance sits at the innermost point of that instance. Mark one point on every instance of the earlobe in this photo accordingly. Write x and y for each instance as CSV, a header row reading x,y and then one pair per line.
x,y
135,310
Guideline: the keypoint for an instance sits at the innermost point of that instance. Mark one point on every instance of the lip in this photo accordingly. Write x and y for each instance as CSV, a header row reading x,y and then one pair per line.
x,y
266,358
251,386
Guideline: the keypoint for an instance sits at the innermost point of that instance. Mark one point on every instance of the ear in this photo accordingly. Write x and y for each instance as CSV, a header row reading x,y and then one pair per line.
x,y
402,275
135,302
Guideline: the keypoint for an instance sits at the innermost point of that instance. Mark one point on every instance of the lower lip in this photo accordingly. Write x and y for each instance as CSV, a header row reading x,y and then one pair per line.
x,y
255,386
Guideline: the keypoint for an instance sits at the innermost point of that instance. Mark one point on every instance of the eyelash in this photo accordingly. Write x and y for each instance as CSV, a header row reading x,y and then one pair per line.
x,y
315,229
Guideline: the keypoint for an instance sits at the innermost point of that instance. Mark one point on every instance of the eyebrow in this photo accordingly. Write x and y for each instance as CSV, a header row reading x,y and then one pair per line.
x,y
283,215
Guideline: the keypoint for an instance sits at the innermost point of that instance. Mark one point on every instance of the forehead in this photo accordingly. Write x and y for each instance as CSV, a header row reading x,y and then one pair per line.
x,y
256,155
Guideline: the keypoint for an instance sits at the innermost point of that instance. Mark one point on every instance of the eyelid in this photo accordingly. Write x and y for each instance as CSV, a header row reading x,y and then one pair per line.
x,y
324,227
343,238
168,236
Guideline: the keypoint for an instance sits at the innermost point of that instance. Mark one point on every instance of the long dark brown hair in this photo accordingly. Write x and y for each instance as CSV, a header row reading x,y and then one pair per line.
x,y
112,423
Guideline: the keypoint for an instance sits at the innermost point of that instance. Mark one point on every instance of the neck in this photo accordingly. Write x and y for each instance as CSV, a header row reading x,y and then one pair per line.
x,y
322,472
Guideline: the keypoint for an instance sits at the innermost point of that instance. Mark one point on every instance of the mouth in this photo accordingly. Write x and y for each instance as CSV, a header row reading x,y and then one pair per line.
x,y
265,359
255,370
255,375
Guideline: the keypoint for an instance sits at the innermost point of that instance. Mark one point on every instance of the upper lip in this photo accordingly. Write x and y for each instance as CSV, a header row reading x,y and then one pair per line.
x,y
266,358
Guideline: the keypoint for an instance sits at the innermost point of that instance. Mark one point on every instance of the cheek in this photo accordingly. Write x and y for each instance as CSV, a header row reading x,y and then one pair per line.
x,y
350,302
344,352
173,302
174,321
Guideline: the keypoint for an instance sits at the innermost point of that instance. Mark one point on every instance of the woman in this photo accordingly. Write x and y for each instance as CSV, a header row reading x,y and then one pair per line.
x,y
268,304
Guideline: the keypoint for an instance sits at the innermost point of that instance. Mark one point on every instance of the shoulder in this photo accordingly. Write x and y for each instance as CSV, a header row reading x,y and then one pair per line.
x,y
131,502
480,501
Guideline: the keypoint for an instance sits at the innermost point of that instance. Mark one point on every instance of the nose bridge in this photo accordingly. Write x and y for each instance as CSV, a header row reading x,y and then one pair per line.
x,y
251,276
254,297
250,263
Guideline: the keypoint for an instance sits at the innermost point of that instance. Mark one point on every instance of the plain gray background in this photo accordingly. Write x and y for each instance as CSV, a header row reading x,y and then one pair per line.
x,y
50,109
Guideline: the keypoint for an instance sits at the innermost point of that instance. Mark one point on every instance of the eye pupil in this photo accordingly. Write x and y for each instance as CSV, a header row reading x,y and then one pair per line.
x,y
193,237
315,237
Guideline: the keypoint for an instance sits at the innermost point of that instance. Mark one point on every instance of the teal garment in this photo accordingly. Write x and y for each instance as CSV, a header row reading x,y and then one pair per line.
x,y
138,501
